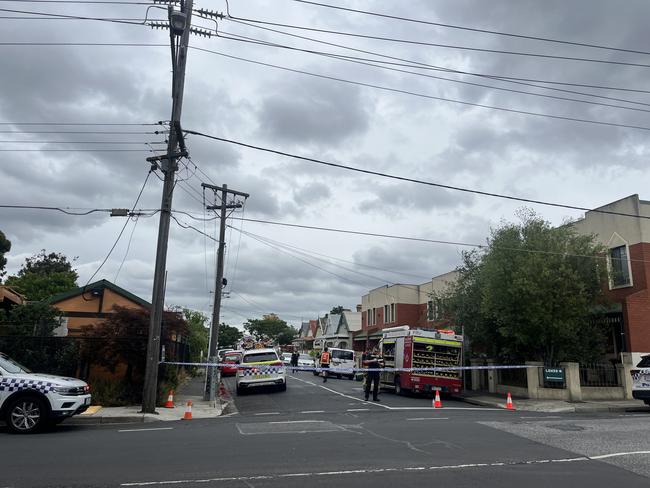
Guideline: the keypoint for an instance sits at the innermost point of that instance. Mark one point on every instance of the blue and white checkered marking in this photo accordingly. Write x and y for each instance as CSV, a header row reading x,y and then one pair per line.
x,y
15,384
262,370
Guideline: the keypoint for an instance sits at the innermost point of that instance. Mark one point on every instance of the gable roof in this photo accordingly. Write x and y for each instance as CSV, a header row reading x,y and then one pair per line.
x,y
352,320
101,284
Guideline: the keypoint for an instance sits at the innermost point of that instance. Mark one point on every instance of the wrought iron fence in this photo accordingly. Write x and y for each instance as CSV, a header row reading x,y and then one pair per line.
x,y
513,377
599,375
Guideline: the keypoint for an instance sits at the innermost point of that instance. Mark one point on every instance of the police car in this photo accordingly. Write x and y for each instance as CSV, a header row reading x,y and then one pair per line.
x,y
30,401
261,367
641,380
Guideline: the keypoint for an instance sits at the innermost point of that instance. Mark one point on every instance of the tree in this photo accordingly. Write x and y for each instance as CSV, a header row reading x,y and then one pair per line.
x,y
44,275
5,247
337,310
122,339
30,319
287,336
229,336
517,303
268,327
198,333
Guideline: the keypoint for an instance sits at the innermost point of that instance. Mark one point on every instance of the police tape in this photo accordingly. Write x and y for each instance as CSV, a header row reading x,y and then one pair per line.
x,y
348,370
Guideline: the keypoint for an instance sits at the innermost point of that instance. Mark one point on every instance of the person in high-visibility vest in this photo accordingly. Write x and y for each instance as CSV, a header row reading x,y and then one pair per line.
x,y
325,358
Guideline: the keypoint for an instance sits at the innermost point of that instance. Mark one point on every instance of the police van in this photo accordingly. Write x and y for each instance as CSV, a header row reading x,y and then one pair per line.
x,y
341,363
30,401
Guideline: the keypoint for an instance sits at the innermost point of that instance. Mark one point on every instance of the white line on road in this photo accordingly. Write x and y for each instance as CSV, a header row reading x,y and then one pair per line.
x,y
146,430
358,410
313,411
429,418
386,470
543,417
266,413
298,422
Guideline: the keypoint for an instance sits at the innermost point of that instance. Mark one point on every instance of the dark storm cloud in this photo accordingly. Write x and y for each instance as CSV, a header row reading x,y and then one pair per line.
x,y
313,112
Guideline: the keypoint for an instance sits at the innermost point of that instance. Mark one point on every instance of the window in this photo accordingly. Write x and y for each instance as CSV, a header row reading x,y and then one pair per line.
x,y
370,316
345,355
260,357
387,314
392,312
620,267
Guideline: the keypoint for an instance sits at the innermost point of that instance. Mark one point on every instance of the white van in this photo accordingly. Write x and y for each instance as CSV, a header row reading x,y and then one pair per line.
x,y
641,380
342,363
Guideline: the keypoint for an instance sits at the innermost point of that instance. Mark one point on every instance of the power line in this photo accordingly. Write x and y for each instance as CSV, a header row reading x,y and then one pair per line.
x,y
188,226
81,123
427,66
119,236
66,210
75,150
74,17
370,62
473,29
414,180
128,248
425,96
84,142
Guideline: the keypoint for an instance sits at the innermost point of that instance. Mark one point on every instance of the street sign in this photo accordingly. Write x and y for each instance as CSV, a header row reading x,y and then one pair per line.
x,y
555,375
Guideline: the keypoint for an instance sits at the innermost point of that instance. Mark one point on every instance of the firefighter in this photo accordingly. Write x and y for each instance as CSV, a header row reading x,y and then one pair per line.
x,y
325,358
372,360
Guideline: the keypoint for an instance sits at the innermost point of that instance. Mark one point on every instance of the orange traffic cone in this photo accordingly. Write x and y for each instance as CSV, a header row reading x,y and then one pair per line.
x,y
188,411
509,404
436,401
170,399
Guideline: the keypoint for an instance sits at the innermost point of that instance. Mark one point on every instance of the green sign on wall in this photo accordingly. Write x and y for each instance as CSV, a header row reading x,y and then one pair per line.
x,y
554,375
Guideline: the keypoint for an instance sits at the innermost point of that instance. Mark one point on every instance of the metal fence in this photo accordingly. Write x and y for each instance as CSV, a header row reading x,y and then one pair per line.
x,y
513,377
599,375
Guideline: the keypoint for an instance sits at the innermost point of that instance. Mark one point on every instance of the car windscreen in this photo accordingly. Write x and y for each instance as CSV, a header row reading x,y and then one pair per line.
x,y
645,362
345,355
232,357
260,357
11,366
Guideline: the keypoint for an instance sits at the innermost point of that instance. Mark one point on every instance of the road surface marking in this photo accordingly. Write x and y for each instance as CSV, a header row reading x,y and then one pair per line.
x,y
146,430
313,411
298,422
386,470
429,418
358,410
541,418
449,408
266,413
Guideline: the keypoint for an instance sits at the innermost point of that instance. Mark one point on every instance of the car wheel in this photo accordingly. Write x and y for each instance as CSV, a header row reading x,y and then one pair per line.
x,y
282,387
398,387
26,415
647,402
240,390
338,376
351,377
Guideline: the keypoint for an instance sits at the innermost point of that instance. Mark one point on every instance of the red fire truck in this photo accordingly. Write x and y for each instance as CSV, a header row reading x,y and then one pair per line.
x,y
407,348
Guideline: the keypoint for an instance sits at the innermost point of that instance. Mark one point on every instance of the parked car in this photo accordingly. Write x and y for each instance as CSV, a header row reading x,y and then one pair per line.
x,y
30,401
286,358
641,380
305,361
221,352
261,367
230,361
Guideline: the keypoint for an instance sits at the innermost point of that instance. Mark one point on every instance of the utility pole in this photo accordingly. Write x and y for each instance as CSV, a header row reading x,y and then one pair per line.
x,y
179,31
211,380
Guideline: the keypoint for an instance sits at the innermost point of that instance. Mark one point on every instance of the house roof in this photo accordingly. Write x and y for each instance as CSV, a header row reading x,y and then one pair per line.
x,y
10,295
352,320
101,284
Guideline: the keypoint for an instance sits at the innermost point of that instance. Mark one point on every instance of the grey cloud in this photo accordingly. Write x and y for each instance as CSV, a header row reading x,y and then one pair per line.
x,y
311,193
314,112
395,199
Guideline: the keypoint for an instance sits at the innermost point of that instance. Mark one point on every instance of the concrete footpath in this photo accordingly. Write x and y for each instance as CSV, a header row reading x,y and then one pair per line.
x,y
190,390
555,406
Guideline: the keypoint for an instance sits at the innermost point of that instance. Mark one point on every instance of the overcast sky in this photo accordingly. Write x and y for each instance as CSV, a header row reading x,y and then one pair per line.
x,y
494,151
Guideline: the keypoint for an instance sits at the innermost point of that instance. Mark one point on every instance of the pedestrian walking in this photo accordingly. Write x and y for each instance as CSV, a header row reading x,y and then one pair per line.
x,y
294,360
325,358
373,361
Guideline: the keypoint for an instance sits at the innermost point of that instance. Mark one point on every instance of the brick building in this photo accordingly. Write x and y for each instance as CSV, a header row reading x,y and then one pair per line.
x,y
627,240
414,305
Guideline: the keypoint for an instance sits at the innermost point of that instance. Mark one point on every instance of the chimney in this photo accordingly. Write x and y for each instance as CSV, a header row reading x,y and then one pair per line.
x,y
359,307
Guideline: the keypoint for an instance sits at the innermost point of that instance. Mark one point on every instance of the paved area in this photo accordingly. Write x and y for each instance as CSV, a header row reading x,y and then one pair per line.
x,y
557,406
325,434
192,390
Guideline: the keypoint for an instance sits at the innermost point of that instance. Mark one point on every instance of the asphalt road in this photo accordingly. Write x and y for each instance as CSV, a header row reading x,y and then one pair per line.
x,y
317,434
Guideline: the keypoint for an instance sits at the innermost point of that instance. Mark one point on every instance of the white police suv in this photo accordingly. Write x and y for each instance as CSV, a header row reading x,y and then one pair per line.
x,y
261,367
641,380
30,401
